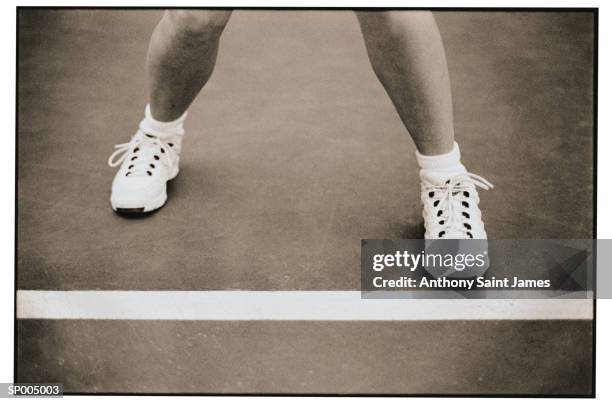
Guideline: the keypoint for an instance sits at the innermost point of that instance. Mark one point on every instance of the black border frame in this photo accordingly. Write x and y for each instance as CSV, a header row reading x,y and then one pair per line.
x,y
593,10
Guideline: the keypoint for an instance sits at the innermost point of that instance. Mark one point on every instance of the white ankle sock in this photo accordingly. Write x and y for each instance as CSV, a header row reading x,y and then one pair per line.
x,y
162,129
437,169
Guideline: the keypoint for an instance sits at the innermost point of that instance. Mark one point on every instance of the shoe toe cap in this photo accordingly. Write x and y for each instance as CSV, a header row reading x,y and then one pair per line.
x,y
136,189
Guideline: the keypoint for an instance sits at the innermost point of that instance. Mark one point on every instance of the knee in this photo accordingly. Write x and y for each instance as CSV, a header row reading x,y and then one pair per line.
x,y
199,23
396,23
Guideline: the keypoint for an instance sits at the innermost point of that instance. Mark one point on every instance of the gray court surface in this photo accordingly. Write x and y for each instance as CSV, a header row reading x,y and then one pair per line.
x,y
474,357
293,155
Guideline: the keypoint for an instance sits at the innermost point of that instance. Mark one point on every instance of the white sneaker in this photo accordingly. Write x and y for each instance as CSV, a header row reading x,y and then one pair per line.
x,y
451,213
147,163
451,207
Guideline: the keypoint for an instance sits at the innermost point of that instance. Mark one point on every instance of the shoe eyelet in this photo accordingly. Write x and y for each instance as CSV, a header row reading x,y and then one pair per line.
x,y
467,226
156,157
171,144
136,149
467,215
150,173
133,158
131,166
152,165
466,194
439,213
441,233
128,173
147,135
436,203
441,222
470,234
431,194
464,203
162,150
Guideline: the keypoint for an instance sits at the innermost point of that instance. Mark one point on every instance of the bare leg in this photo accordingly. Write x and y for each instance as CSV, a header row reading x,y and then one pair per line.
x,y
181,58
407,55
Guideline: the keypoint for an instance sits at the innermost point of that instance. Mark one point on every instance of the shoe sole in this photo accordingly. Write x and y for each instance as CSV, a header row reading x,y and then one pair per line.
x,y
149,206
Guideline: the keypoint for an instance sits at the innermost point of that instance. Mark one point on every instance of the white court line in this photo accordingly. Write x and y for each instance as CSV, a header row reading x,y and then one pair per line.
x,y
283,305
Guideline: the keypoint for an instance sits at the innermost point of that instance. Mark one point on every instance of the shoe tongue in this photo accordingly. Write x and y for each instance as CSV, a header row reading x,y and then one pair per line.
x,y
173,140
439,177
165,137
146,150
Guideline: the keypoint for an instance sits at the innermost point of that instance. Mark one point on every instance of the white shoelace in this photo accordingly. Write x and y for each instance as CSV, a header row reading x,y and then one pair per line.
x,y
451,196
142,163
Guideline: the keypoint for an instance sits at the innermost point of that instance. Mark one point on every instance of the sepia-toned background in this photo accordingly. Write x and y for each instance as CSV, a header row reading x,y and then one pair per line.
x,y
293,154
